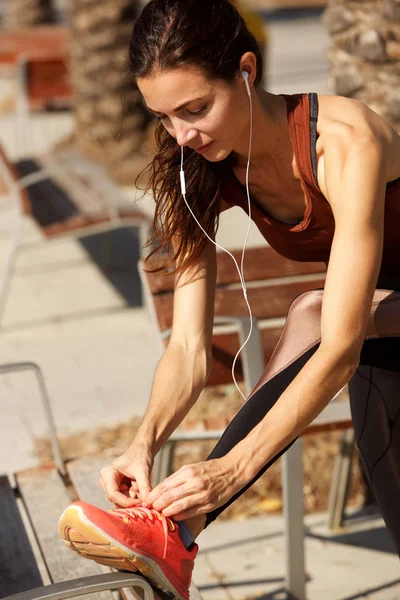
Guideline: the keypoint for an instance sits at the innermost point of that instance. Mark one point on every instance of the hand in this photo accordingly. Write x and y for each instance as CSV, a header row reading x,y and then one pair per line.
x,y
127,480
195,489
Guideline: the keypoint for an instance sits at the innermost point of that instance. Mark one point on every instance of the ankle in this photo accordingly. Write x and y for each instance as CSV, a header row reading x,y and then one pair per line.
x,y
196,524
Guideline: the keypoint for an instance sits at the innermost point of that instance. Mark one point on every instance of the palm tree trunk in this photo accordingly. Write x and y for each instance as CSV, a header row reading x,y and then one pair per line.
x,y
29,13
365,53
119,138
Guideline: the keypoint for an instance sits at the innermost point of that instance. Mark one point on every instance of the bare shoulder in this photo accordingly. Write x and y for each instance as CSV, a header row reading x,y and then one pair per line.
x,y
351,118
340,112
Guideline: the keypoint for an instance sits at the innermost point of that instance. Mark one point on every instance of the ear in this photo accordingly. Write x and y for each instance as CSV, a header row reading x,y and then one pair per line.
x,y
248,63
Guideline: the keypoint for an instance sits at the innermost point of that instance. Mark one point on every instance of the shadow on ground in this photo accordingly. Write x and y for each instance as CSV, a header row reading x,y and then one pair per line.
x,y
369,536
116,253
282,594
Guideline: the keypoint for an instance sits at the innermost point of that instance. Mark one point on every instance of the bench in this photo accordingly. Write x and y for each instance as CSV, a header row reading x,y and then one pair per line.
x,y
34,562
66,194
273,282
40,57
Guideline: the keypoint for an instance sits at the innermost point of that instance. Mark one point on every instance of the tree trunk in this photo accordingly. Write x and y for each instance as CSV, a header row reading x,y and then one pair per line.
x,y
118,138
29,13
365,53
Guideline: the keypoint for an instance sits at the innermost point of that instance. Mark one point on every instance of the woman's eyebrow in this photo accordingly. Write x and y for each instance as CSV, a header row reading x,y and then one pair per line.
x,y
178,108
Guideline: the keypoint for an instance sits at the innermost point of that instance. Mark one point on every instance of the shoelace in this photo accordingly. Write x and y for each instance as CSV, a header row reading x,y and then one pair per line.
x,y
139,512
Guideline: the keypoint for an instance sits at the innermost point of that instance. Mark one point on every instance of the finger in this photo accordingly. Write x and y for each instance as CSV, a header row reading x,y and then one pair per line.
x,y
123,501
188,505
173,481
143,482
172,497
123,487
111,480
131,503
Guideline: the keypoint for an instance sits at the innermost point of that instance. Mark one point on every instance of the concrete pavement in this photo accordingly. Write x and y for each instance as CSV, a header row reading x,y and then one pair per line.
x,y
245,559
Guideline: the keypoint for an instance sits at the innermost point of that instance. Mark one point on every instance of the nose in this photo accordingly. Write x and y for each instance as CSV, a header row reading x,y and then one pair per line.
x,y
184,134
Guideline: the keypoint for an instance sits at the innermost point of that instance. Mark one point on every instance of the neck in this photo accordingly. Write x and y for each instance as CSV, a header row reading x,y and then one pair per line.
x,y
269,119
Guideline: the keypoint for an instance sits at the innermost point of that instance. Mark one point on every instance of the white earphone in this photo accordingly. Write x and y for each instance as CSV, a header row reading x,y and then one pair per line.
x,y
245,76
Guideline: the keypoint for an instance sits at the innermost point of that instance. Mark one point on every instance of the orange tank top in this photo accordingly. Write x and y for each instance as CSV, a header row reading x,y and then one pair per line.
x,y
311,239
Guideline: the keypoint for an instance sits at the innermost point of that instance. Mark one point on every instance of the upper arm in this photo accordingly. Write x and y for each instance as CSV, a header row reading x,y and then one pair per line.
x,y
194,295
355,181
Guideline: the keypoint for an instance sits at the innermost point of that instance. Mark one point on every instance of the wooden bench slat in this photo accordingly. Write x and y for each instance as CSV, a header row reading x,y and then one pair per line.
x,y
45,496
85,473
48,81
44,42
18,569
266,300
260,263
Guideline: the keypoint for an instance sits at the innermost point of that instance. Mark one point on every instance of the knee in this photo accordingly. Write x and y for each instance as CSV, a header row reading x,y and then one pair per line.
x,y
302,331
307,305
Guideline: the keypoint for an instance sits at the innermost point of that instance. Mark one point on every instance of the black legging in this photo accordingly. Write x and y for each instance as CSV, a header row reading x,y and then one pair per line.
x,y
374,396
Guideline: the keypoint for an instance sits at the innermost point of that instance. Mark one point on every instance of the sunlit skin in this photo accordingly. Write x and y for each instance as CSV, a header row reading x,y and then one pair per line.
x,y
215,106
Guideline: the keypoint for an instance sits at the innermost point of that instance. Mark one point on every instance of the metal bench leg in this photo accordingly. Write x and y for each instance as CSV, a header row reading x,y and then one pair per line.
x,y
293,508
31,366
252,354
163,463
341,479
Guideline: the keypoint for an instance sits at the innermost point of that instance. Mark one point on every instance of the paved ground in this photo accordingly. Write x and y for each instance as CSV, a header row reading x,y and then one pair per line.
x,y
246,560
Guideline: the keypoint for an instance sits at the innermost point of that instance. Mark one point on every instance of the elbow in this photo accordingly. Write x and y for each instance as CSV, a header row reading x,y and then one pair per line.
x,y
345,359
349,368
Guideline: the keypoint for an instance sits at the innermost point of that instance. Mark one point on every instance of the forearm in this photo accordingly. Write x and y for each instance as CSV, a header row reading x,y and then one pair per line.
x,y
308,394
180,376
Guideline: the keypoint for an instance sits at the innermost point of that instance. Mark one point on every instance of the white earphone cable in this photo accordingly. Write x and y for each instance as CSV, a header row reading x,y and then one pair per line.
x,y
240,270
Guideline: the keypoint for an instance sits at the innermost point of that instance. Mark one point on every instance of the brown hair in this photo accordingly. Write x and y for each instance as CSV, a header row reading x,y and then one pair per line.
x,y
212,36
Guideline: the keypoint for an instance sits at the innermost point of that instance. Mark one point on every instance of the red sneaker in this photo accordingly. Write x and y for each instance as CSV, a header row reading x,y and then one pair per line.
x,y
134,539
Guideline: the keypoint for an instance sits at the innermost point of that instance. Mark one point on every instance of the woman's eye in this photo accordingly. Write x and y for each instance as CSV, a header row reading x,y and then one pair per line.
x,y
197,112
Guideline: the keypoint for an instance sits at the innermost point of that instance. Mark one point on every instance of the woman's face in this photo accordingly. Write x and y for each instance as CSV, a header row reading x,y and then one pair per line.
x,y
215,112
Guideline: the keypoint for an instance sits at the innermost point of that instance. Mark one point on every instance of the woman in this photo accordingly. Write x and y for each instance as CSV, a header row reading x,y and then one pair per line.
x,y
325,185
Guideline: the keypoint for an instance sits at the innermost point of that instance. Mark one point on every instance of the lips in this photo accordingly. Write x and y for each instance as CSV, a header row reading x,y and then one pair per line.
x,y
203,147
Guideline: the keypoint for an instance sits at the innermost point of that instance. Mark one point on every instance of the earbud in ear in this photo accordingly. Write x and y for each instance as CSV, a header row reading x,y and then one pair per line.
x,y
245,76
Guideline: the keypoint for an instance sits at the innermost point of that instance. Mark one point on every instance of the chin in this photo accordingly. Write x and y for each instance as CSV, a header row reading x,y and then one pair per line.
x,y
219,156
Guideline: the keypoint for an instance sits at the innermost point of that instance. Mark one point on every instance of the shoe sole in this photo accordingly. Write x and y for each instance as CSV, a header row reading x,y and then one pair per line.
x,y
91,542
